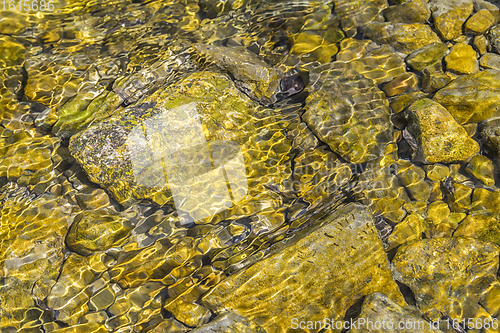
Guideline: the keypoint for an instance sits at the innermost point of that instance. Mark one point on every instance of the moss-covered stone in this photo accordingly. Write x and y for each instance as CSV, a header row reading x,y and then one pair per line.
x,y
83,109
271,288
462,59
480,226
447,275
472,98
439,136
480,21
449,16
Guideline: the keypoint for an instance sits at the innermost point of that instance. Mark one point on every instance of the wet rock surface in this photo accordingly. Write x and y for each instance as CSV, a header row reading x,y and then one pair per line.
x,y
379,307
418,264
439,137
249,292
232,165
471,98
357,105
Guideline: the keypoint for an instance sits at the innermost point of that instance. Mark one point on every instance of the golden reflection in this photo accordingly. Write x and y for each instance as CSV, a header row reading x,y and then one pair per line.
x,y
204,177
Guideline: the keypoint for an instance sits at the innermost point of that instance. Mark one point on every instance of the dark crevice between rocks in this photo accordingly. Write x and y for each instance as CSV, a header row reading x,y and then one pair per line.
x,y
20,94
408,294
353,312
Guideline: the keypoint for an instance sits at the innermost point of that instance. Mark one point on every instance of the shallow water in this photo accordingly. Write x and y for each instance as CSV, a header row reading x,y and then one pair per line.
x,y
165,162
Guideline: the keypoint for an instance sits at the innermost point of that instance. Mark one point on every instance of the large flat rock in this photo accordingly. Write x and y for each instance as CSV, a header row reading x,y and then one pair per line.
x,y
317,273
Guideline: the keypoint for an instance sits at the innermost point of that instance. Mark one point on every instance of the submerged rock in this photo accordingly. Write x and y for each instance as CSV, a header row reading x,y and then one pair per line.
x,y
346,261
439,137
98,230
84,109
480,21
228,323
251,74
409,229
493,38
410,11
480,43
161,149
472,98
69,296
449,16
356,14
447,275
378,308
28,159
349,113
403,37
32,230
462,59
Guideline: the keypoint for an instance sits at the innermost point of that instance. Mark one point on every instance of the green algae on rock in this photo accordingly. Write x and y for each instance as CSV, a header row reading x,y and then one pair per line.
x,y
440,138
480,226
472,98
447,275
349,113
83,109
344,247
